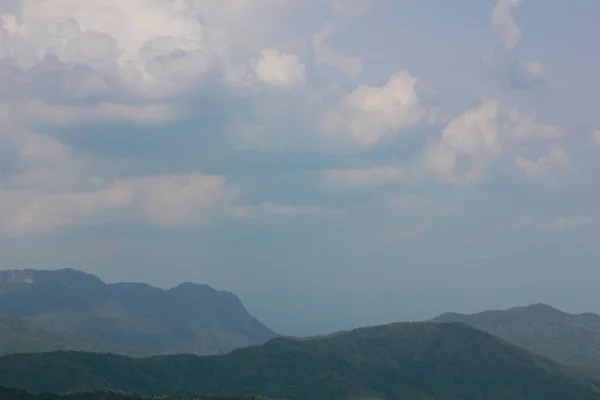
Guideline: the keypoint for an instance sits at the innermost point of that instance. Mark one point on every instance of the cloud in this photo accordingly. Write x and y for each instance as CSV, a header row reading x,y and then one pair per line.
x,y
468,144
505,24
351,66
596,139
147,62
148,47
165,200
508,66
371,113
471,137
280,69
554,158
523,75
525,127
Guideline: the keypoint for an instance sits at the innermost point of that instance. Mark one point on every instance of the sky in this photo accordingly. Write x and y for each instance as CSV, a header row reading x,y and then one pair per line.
x,y
335,163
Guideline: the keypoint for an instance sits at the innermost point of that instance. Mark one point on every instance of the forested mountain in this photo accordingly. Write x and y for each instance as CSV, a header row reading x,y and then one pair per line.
x,y
71,310
567,338
408,361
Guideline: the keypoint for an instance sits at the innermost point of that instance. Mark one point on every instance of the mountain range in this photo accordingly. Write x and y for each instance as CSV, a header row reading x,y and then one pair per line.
x,y
572,339
409,361
71,310
69,332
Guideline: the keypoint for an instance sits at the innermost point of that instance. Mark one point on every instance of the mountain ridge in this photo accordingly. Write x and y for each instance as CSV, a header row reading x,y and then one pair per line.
x,y
409,361
130,318
573,339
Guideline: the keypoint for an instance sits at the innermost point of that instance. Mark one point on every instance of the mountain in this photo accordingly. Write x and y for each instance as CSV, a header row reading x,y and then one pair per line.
x,y
14,394
71,310
567,338
408,361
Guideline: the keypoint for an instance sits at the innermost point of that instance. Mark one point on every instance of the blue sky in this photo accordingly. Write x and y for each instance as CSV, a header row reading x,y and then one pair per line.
x,y
333,162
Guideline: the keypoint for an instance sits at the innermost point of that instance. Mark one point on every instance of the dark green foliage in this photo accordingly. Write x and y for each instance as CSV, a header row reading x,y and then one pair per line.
x,y
566,338
409,361
70,310
14,394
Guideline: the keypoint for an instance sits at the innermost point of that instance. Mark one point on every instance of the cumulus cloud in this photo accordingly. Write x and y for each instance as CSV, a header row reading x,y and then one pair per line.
x,y
280,69
146,63
508,65
150,47
521,127
351,66
371,113
122,63
523,75
468,144
504,22
471,137
555,158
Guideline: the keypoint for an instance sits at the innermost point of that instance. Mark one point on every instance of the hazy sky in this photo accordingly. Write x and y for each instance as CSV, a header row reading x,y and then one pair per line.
x,y
333,162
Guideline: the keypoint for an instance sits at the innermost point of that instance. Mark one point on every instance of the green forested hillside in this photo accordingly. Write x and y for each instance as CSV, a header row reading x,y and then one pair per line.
x,y
409,361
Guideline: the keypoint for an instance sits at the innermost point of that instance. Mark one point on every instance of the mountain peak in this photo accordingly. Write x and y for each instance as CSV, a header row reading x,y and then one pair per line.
x,y
66,276
543,329
538,307
193,289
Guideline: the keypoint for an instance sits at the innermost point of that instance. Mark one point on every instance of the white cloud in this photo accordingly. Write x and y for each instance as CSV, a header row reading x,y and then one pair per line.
x,y
151,47
524,127
351,66
472,136
596,139
554,158
280,69
371,113
165,200
534,69
504,22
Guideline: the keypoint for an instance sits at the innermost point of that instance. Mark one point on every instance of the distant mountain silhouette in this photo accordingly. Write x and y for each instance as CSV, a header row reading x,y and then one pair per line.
x,y
567,338
71,310
408,361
